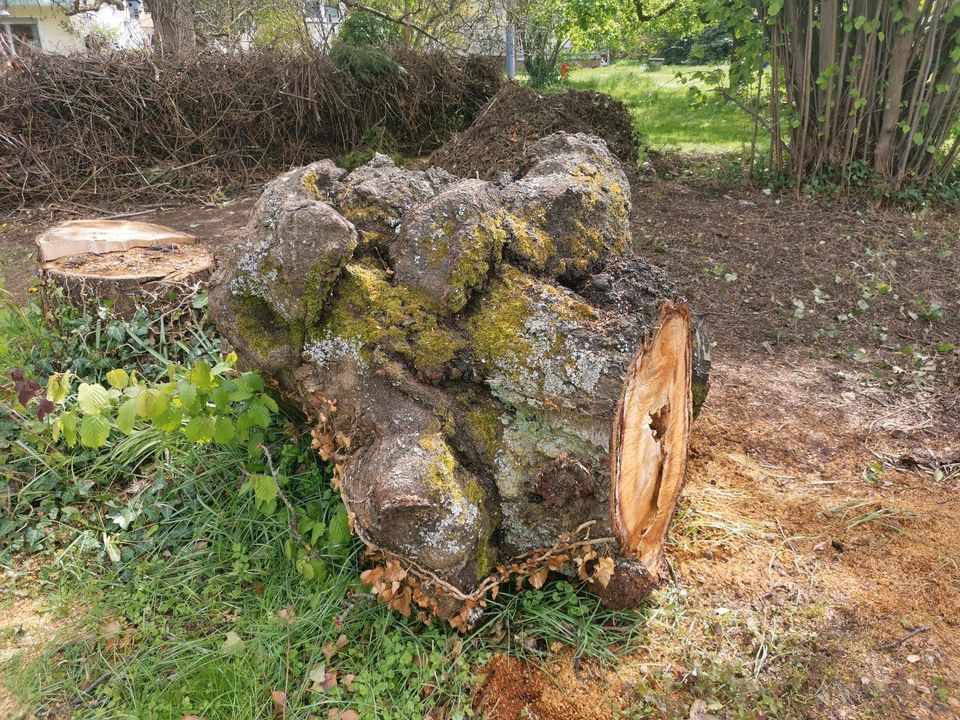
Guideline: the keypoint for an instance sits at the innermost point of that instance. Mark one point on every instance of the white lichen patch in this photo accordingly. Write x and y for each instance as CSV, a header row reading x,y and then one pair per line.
x,y
331,349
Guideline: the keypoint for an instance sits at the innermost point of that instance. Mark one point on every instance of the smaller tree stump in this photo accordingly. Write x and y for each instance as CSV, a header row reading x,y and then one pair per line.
x,y
121,262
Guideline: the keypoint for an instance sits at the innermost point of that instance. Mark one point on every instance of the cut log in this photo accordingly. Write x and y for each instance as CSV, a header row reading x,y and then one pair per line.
x,y
121,263
504,386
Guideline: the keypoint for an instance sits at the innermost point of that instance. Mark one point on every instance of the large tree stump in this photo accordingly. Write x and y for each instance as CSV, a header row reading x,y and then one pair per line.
x,y
493,369
121,262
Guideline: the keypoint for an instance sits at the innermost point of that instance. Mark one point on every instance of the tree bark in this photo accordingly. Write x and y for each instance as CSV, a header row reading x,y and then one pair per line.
x,y
173,26
504,387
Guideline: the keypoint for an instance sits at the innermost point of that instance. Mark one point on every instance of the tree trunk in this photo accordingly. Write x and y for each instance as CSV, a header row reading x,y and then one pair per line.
x,y
173,27
505,387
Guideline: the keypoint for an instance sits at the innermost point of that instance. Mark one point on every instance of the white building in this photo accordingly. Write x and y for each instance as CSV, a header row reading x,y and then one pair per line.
x,y
45,24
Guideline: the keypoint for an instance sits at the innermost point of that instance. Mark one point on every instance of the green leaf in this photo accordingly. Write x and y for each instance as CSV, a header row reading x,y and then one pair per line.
x,y
318,568
118,378
58,387
127,416
68,423
258,414
264,487
113,552
187,392
147,402
170,420
338,533
200,429
201,376
221,398
223,430
92,399
270,403
94,430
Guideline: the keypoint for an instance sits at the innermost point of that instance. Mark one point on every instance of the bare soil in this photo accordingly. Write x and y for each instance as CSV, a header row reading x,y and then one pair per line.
x,y
817,548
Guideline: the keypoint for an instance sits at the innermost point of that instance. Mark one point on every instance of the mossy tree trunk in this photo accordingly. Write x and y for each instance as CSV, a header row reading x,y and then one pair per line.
x,y
492,369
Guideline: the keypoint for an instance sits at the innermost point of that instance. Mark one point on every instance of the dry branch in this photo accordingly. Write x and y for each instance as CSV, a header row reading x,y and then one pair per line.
x,y
117,126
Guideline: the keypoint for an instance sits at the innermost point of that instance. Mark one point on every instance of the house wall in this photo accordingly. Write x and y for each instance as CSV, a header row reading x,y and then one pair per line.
x,y
60,33
54,28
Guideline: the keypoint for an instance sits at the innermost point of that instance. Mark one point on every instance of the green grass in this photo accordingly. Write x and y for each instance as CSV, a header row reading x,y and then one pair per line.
x,y
662,109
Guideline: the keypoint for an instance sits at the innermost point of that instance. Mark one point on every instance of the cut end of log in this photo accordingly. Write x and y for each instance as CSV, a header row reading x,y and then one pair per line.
x,y
83,237
121,262
648,454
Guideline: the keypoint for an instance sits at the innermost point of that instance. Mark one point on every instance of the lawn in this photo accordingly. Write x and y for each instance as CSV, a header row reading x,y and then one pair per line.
x,y
663,111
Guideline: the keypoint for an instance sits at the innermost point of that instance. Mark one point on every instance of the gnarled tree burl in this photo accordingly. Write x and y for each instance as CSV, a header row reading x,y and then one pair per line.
x,y
491,366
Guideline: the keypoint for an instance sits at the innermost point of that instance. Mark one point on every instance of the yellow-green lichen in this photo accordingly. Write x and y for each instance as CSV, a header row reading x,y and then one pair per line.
x,y
484,557
434,347
362,214
262,330
484,427
367,309
309,183
441,475
497,329
528,240
481,253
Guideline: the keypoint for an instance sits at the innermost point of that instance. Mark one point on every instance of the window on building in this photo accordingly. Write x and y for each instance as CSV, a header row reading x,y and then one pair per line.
x,y
17,34
322,11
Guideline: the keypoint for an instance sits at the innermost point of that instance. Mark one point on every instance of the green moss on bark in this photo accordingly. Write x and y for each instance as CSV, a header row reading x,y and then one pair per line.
x,y
367,309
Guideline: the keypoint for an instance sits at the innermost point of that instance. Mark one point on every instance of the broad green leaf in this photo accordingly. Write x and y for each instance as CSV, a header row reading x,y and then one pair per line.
x,y
92,399
58,387
223,430
187,392
339,531
147,400
169,420
200,376
221,398
94,430
68,423
265,487
258,414
127,416
118,378
319,568
199,429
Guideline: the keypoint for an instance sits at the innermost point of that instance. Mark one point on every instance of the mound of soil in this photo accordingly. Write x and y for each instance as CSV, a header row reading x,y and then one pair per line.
x,y
518,116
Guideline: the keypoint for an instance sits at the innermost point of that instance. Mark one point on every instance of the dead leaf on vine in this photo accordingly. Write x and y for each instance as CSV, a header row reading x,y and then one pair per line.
x,y
538,578
279,698
111,635
288,616
604,571
335,714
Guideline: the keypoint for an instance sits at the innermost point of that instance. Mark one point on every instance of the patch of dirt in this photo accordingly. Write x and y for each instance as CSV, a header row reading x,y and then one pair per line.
x,y
25,627
781,277
518,116
215,224
512,688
